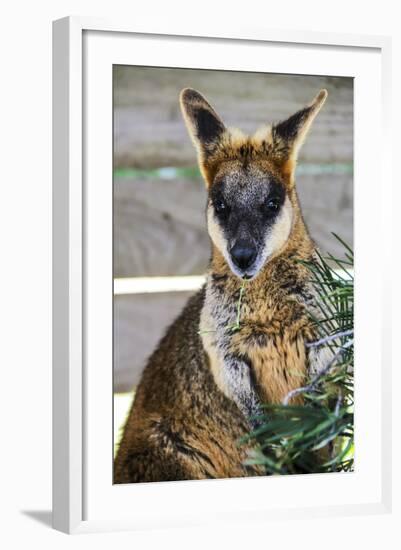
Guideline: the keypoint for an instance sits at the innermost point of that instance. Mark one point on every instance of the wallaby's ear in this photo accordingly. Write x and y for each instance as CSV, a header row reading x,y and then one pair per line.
x,y
289,135
204,124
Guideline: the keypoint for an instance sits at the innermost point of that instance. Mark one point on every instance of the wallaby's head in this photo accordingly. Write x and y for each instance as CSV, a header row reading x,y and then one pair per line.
x,y
252,201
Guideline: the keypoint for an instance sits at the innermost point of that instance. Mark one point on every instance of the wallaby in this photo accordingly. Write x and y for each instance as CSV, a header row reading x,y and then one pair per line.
x,y
241,340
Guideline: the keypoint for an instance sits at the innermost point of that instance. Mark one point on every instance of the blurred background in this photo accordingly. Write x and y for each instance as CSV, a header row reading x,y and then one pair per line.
x,y
161,246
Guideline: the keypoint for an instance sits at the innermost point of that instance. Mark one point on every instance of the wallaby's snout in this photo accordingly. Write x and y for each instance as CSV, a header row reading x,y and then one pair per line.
x,y
243,254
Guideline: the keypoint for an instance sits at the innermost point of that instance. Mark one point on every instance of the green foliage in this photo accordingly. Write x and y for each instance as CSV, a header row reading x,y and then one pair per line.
x,y
319,435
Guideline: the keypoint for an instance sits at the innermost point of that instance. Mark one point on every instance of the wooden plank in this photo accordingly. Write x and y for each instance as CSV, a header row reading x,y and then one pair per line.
x,y
149,130
139,322
160,226
327,205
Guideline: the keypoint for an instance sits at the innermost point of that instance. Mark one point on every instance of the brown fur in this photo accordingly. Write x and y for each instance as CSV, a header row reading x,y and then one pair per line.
x,y
188,412
181,425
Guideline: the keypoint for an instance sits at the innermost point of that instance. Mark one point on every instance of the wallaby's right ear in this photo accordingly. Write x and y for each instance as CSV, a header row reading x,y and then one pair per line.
x,y
204,124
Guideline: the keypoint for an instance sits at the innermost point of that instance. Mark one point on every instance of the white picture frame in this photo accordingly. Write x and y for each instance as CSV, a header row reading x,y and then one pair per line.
x,y
84,498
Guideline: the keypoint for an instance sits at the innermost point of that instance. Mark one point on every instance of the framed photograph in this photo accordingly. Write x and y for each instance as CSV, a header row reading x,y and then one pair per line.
x,y
216,195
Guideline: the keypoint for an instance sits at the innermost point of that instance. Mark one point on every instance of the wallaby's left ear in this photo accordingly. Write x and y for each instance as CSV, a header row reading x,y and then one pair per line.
x,y
204,124
289,135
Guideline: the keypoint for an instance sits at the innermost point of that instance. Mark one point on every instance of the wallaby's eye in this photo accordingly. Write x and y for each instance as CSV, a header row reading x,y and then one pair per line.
x,y
220,206
272,205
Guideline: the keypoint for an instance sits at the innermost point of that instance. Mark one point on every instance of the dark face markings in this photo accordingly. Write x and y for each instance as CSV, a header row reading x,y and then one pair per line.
x,y
246,202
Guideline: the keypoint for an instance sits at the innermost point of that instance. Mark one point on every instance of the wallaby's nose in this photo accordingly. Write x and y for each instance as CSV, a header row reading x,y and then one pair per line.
x,y
243,254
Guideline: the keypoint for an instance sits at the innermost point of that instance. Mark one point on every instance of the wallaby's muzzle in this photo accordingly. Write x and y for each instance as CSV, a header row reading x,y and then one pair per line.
x,y
243,254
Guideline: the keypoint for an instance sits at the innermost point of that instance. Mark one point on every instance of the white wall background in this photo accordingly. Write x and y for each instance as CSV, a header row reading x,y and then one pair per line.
x,y
25,103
